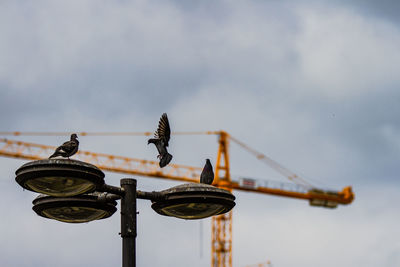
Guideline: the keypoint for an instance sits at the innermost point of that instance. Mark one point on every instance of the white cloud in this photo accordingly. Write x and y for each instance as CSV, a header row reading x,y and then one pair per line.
x,y
344,54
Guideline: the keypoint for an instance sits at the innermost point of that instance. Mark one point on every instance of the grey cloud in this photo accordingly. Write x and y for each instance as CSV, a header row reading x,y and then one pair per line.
x,y
387,9
264,71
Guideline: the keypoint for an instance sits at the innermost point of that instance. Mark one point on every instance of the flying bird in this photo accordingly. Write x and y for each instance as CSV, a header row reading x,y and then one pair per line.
x,y
67,149
161,139
207,175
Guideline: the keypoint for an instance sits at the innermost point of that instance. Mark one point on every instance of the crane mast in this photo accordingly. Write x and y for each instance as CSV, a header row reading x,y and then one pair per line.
x,y
221,247
221,225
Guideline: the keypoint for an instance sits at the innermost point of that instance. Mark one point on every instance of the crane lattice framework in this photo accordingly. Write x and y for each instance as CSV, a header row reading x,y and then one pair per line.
x,y
221,246
221,228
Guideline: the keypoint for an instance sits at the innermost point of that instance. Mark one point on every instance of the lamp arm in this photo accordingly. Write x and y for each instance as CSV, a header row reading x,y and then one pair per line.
x,y
153,196
111,189
115,193
107,197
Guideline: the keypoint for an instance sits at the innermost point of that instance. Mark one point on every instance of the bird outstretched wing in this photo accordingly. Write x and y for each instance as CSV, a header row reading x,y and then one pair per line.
x,y
163,131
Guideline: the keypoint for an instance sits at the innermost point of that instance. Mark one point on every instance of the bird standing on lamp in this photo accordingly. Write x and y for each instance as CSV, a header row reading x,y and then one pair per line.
x,y
67,149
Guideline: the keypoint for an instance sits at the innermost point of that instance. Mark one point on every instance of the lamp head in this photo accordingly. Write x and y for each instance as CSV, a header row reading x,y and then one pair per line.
x,y
194,201
59,177
78,209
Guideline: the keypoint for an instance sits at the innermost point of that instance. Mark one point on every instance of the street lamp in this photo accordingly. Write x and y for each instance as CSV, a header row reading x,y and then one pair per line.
x,y
73,191
78,209
193,201
59,177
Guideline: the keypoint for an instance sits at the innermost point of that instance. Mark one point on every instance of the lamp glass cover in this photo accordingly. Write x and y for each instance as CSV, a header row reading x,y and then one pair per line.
x,y
74,214
60,186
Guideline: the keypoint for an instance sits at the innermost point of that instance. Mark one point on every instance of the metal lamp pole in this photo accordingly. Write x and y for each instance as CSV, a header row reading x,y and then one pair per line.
x,y
128,222
128,196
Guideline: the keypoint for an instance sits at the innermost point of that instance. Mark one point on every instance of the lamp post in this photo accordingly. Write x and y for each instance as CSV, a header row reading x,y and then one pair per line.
x,y
75,192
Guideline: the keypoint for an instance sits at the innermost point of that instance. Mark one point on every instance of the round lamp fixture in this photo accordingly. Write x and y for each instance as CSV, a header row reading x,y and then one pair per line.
x,y
78,209
59,177
194,201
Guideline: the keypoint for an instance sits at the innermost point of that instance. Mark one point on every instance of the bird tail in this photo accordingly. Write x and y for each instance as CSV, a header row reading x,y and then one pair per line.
x,y
165,160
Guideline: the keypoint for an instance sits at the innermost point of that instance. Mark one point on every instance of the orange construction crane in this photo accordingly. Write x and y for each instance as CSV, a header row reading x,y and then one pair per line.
x,y
221,225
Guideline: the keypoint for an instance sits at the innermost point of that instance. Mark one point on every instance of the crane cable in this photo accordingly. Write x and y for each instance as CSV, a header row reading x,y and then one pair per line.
x,y
273,164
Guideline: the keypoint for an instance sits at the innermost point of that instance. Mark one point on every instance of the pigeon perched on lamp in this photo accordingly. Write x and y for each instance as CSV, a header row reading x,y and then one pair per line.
x,y
67,149
207,175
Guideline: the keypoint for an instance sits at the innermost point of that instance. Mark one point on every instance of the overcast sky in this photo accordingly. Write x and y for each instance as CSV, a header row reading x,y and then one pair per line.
x,y
312,84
